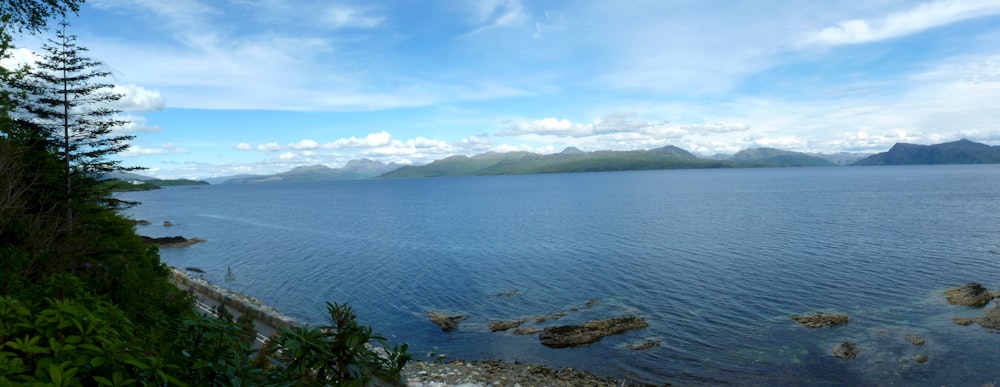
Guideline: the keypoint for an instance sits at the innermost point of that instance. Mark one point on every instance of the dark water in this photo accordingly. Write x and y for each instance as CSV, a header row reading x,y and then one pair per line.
x,y
716,260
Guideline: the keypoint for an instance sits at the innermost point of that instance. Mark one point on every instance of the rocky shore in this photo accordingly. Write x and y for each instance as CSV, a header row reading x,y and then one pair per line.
x,y
496,373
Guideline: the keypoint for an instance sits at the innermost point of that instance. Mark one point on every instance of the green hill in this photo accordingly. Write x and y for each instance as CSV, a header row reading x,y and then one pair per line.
x,y
353,170
779,158
957,152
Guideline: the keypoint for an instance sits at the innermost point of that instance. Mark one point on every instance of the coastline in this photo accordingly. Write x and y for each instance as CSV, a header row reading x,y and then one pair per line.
x,y
416,373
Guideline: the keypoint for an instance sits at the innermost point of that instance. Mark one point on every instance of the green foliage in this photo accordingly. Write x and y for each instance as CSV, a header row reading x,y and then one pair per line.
x,y
33,15
340,353
83,302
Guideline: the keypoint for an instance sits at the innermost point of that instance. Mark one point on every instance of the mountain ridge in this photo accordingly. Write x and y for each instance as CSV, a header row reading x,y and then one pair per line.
x,y
956,152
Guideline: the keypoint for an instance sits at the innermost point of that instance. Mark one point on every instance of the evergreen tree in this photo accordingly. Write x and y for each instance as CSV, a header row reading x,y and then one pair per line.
x,y
70,109
33,15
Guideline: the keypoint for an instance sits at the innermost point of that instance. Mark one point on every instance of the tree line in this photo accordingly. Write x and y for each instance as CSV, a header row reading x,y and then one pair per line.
x,y
82,300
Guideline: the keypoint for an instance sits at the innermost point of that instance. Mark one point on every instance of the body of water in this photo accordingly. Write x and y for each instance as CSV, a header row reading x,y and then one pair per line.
x,y
716,260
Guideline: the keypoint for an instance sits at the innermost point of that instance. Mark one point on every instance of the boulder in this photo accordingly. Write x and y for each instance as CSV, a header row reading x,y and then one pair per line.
x,y
498,326
970,294
171,242
920,359
590,332
846,350
820,320
447,323
141,222
167,224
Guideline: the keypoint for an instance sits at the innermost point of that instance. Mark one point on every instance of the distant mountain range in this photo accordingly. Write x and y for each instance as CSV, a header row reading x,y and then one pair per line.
x,y
353,170
957,152
575,160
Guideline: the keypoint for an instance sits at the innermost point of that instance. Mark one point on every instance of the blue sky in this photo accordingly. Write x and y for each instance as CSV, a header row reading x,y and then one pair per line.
x,y
220,87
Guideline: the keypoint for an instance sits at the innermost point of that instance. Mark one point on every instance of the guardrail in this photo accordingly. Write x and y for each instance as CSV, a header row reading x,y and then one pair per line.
x,y
208,310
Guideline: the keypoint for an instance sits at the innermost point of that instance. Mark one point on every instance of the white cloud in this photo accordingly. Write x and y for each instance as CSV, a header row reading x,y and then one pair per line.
x,y
922,17
340,16
137,99
269,147
135,124
139,150
613,123
19,57
372,140
492,14
244,146
304,145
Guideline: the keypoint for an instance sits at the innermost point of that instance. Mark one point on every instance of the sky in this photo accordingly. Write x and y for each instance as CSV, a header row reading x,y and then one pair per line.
x,y
223,87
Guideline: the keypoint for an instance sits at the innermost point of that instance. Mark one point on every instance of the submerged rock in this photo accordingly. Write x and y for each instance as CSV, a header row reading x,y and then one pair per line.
x,y
644,345
554,316
963,320
590,332
820,320
170,242
447,323
920,359
915,339
970,294
141,222
167,224
527,331
846,350
991,320
507,294
498,326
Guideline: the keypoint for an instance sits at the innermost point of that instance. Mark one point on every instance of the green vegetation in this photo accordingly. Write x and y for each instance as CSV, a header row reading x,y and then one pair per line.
x,y
83,302
957,152
779,158
146,185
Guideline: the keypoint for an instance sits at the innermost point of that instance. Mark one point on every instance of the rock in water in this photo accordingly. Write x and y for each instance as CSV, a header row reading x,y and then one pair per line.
x,y
526,331
447,323
497,326
915,339
820,320
175,241
590,332
644,345
992,319
846,350
971,294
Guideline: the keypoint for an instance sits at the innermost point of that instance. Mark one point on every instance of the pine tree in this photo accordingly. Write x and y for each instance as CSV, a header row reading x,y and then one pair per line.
x,y
70,109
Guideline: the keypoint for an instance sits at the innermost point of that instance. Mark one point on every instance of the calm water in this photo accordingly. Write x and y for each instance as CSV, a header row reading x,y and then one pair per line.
x,y
716,260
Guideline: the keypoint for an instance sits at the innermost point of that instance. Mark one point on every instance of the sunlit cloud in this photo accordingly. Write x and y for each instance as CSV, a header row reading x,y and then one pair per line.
x,y
139,150
914,20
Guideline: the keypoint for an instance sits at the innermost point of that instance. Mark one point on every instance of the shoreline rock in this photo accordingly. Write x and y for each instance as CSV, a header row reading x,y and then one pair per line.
x,y
970,294
447,323
820,320
590,332
171,242
497,373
